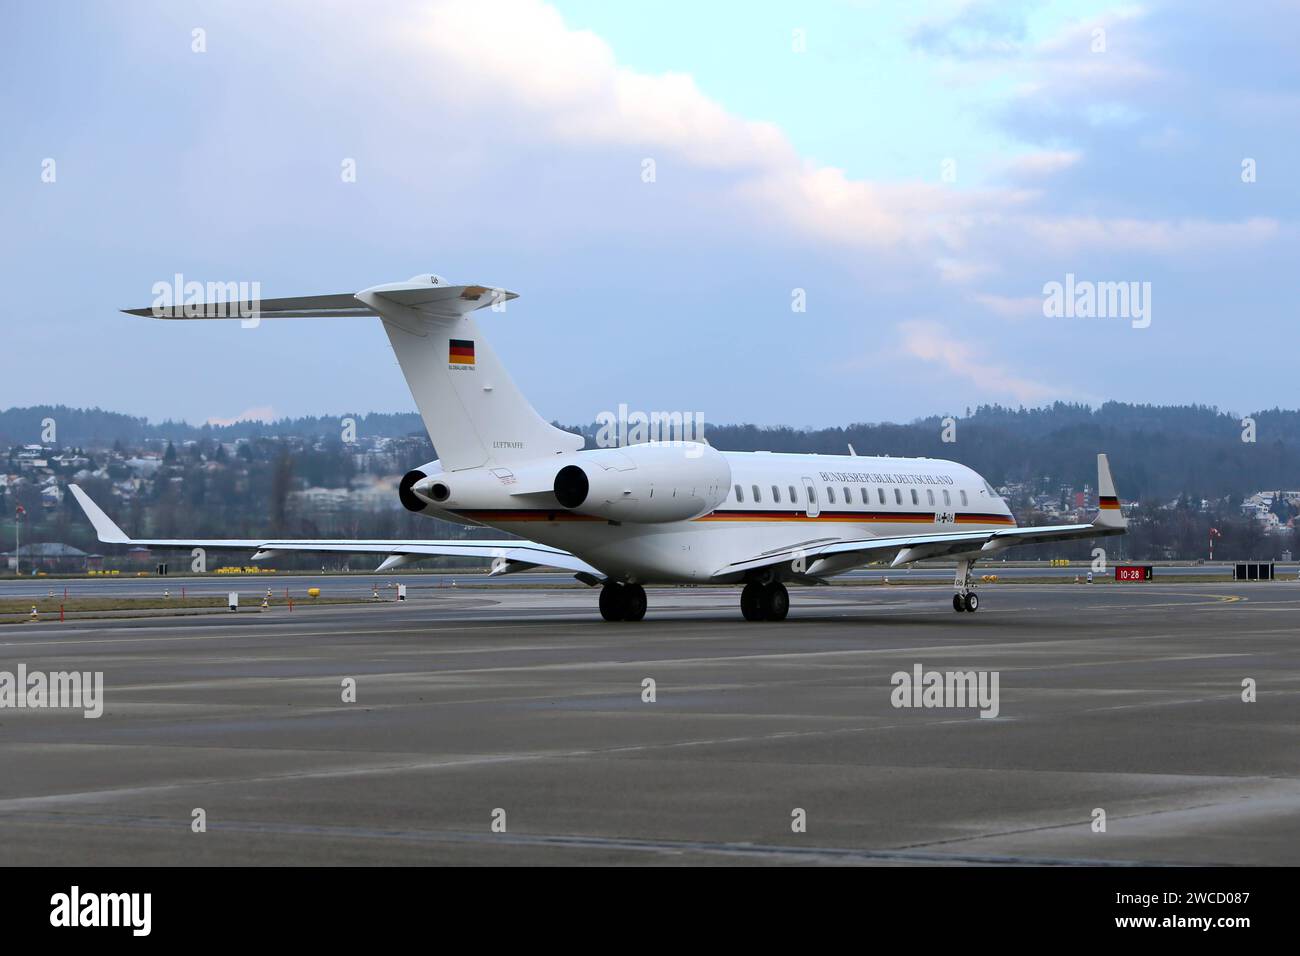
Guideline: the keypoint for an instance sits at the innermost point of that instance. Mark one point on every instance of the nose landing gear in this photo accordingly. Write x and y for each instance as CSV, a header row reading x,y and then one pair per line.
x,y
965,599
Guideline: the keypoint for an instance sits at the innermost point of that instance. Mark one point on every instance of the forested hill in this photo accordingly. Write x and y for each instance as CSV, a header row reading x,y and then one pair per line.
x,y
1157,452
93,427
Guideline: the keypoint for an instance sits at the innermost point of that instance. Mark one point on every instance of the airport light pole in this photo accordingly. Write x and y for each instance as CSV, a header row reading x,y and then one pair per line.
x,y
18,526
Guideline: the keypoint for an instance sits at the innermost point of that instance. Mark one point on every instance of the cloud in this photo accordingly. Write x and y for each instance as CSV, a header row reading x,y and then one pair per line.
x,y
565,84
962,270
1043,163
1011,307
1167,237
570,83
933,343
977,28
988,40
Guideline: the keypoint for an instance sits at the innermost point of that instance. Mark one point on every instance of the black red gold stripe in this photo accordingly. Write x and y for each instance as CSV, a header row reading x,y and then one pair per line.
x,y
1108,502
879,517
461,351
490,515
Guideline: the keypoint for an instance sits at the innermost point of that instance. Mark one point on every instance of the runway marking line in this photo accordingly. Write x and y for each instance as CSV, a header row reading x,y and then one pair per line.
x,y
580,842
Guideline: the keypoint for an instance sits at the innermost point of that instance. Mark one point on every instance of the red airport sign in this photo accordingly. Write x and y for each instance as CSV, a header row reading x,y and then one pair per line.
x,y
1132,572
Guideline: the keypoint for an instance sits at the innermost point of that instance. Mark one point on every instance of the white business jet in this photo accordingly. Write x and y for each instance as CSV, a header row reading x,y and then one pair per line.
x,y
674,512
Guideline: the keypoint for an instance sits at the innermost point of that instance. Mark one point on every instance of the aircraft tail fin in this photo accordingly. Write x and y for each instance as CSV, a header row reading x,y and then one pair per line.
x,y
1108,514
472,409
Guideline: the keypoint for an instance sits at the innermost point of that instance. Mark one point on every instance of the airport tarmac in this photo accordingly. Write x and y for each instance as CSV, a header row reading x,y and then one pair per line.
x,y
360,583
522,706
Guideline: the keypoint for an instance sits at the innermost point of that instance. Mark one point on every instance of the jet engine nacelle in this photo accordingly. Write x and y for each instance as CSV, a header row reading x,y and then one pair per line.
x,y
653,482
410,500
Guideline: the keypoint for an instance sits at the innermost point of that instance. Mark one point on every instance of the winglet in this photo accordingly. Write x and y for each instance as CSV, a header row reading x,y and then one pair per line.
x,y
108,532
1108,515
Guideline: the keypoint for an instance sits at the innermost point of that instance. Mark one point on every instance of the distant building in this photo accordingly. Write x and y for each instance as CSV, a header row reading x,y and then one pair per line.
x,y
49,556
376,495
143,466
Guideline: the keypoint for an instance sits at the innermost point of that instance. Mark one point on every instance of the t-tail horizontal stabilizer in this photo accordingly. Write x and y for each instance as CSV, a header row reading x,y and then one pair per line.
x,y
474,412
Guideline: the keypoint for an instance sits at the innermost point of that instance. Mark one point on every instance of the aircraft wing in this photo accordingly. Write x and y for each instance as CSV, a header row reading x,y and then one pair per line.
x,y
507,555
904,549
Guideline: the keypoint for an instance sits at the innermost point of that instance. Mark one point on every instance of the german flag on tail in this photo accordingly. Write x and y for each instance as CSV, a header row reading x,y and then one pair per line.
x,y
461,352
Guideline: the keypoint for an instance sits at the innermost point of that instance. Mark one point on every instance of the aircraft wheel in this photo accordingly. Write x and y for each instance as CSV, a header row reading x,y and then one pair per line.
x,y
957,603
612,607
634,602
751,602
776,602
972,601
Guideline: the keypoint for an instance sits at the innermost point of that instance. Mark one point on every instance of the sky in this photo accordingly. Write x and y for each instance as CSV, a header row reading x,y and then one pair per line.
x,y
856,212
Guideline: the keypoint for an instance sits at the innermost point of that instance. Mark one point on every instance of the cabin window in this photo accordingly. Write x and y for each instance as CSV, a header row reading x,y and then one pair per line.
x,y
758,498
964,502
916,499
898,495
830,495
866,500
794,498
947,499
929,496
881,492
740,495
848,496
776,494
812,494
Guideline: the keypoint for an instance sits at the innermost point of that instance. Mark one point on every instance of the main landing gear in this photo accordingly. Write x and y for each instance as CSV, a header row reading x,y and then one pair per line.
x,y
765,602
758,602
965,599
622,602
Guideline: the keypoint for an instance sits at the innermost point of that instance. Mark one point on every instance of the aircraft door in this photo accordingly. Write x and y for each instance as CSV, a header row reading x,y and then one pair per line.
x,y
812,507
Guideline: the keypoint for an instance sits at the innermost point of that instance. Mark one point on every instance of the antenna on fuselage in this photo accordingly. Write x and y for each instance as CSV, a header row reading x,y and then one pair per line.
x,y
852,453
